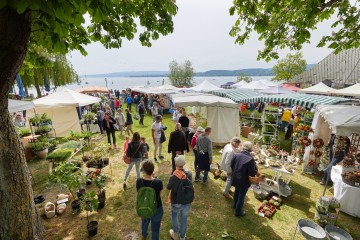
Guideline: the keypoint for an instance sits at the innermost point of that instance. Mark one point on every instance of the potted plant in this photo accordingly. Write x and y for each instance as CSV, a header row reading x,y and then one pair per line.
x,y
70,180
100,183
35,120
45,119
23,131
40,149
88,117
43,130
89,203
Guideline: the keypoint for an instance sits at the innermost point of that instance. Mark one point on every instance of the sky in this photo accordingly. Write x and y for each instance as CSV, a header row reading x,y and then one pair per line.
x,y
201,35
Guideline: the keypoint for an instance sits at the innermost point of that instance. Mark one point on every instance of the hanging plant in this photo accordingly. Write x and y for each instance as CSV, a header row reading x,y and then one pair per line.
x,y
305,141
318,154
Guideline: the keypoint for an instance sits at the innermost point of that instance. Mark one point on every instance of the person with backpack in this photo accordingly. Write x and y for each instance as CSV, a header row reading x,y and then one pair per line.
x,y
136,150
148,202
181,196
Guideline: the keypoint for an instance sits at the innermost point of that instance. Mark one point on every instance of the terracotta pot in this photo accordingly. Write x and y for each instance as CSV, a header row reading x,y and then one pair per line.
x,y
42,154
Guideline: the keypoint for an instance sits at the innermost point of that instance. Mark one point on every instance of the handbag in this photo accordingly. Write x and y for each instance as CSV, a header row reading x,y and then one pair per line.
x,y
127,159
116,127
162,138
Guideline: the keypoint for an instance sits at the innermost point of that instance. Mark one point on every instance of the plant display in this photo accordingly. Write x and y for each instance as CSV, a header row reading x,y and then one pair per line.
x,y
89,117
100,180
303,128
269,129
270,108
38,146
60,154
318,143
71,144
45,118
270,118
305,141
275,163
43,129
309,115
35,121
23,131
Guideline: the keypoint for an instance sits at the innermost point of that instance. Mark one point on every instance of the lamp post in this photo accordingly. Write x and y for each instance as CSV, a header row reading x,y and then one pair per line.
x,y
105,81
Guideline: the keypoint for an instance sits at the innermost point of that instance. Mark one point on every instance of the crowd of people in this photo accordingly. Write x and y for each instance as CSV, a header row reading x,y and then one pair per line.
x,y
236,161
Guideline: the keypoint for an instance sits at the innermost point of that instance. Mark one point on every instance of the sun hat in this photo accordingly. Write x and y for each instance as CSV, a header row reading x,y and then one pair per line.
x,y
180,160
200,129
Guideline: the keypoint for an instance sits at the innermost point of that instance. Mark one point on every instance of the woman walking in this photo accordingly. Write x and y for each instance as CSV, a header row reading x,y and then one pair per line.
x,y
129,122
136,150
120,120
108,126
148,180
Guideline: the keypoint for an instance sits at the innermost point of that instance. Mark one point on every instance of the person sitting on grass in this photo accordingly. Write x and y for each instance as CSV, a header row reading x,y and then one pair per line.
x,y
148,180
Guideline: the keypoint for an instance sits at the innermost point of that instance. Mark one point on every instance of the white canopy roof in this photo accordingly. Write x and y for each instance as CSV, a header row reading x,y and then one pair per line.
x,y
18,106
196,99
66,97
205,86
319,88
239,84
276,90
269,83
164,89
344,120
353,90
255,85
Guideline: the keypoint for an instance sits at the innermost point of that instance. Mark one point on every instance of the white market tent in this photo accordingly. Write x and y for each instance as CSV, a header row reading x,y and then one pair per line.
x,y
276,90
239,84
269,83
353,91
319,88
19,106
222,114
164,89
61,107
255,85
205,86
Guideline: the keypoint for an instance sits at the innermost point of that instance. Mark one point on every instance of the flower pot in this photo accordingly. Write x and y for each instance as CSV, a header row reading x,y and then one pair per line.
x,y
42,154
106,161
101,203
80,193
92,228
75,205
88,182
100,164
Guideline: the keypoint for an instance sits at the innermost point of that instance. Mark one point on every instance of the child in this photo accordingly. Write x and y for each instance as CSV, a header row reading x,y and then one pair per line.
x,y
143,141
126,143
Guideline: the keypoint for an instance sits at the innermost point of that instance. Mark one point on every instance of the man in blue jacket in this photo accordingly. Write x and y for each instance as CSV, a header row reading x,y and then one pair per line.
x,y
129,102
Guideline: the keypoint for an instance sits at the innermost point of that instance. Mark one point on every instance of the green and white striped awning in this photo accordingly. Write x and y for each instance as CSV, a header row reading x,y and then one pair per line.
x,y
303,100
238,95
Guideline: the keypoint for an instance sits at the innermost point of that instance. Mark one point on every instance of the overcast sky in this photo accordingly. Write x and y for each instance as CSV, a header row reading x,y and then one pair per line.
x,y
201,34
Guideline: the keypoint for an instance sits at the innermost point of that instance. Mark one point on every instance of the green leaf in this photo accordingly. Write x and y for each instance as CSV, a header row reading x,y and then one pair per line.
x,y
22,6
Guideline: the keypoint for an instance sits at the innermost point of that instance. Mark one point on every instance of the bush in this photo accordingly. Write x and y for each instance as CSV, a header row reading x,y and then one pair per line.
x,y
60,154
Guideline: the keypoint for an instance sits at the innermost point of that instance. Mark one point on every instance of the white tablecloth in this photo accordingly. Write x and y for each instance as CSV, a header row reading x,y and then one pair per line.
x,y
348,196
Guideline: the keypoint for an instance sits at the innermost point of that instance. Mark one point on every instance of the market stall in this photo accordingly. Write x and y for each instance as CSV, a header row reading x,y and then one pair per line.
x,y
204,86
93,89
222,114
353,91
19,106
61,107
341,120
319,88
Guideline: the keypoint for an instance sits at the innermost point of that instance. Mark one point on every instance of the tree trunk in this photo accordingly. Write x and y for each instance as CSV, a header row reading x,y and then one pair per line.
x,y
38,90
27,91
18,216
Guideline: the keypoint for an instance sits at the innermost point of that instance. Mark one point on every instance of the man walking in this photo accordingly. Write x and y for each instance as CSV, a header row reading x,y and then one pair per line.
x,y
227,155
129,101
177,144
244,172
204,154
181,197
156,135
100,117
141,110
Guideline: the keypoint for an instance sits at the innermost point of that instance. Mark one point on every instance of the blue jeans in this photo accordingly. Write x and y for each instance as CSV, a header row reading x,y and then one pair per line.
x,y
239,199
184,212
333,162
136,162
198,171
155,224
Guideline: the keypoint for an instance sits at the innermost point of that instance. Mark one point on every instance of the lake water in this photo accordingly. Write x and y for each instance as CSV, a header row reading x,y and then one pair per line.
x,y
124,82
121,83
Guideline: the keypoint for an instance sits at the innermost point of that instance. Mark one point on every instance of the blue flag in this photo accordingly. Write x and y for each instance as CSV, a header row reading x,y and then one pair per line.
x,y
20,85
46,84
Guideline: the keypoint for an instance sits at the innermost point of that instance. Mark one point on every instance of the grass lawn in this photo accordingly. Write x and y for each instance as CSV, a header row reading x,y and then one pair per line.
x,y
210,214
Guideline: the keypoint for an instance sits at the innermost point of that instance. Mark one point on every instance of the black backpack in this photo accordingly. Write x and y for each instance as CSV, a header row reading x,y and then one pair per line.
x,y
185,192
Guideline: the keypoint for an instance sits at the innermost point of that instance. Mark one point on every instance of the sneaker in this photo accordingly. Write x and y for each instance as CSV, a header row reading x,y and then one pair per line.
x,y
173,235
227,195
161,157
243,213
197,179
124,186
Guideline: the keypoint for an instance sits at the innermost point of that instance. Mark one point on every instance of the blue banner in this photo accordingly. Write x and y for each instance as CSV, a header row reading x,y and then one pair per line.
x,y
46,84
20,85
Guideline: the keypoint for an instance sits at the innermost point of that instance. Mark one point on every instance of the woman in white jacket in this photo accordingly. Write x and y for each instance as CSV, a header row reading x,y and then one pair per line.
x,y
228,152
120,120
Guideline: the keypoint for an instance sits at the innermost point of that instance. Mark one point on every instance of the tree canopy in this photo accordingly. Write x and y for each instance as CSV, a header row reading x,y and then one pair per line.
x,y
181,75
288,24
289,67
243,77
59,26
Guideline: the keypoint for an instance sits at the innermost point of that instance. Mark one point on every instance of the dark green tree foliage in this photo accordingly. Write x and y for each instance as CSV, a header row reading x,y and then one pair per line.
x,y
181,75
289,67
243,77
288,23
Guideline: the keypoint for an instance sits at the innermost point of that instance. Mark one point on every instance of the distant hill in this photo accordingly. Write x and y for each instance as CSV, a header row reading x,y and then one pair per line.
x,y
210,73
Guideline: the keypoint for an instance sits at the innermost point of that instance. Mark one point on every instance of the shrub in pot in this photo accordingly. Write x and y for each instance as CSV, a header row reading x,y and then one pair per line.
x,y
23,131
100,183
39,148
35,121
89,203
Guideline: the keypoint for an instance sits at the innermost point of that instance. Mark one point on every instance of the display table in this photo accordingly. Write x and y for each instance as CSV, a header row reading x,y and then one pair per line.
x,y
93,128
347,195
